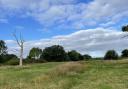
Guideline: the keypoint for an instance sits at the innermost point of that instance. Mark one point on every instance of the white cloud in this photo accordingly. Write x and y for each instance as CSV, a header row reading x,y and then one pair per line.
x,y
106,8
85,41
69,11
98,12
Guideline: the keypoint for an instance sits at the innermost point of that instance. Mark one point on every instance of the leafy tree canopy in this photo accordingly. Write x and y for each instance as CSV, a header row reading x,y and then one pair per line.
x,y
54,53
75,56
124,53
111,54
35,53
3,48
125,28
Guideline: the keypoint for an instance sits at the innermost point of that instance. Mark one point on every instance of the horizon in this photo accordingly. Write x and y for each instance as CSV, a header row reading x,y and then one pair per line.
x,y
88,26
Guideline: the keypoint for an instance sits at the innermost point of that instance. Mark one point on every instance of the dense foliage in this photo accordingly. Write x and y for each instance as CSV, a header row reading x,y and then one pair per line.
x,y
54,53
125,28
6,58
124,53
3,51
111,54
35,53
75,56
3,48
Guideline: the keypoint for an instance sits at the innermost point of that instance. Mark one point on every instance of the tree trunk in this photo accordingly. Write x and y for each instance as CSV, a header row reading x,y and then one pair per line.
x,y
21,56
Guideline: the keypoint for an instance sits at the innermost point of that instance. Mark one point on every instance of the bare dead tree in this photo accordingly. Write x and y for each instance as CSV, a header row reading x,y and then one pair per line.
x,y
20,41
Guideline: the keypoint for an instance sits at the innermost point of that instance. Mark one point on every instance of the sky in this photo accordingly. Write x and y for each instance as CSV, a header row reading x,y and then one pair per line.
x,y
88,26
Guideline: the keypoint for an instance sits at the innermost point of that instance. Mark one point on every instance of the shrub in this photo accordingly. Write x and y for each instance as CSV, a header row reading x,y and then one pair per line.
x,y
13,61
111,54
27,60
98,58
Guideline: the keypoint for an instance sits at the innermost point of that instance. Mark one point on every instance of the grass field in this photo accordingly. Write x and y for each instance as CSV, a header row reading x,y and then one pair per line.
x,y
71,75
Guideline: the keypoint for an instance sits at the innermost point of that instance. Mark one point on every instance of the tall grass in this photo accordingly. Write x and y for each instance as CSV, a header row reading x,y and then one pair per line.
x,y
66,69
65,72
110,74
59,77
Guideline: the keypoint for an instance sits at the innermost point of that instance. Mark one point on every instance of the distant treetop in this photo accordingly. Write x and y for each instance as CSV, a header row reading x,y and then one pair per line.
x,y
125,28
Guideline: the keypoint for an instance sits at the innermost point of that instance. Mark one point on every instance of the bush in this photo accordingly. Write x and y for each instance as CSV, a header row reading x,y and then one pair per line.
x,y
124,53
97,58
111,54
34,61
7,57
13,61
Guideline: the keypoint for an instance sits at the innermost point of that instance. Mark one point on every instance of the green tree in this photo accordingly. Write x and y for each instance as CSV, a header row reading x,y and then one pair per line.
x,y
75,56
3,50
54,53
35,53
111,54
125,28
124,53
87,57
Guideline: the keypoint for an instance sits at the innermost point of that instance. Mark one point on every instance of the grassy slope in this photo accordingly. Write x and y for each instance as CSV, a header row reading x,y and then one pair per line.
x,y
85,75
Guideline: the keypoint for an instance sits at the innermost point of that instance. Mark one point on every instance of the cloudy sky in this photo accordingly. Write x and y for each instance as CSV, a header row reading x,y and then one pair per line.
x,y
88,26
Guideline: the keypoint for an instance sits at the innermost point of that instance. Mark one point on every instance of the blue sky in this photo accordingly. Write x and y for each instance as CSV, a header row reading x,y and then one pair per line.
x,y
43,20
29,26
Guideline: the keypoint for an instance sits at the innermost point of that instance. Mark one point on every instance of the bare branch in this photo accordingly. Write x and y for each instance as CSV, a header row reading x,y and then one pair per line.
x,y
16,38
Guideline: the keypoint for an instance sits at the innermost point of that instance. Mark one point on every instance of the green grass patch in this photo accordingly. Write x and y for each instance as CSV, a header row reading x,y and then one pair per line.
x,y
97,74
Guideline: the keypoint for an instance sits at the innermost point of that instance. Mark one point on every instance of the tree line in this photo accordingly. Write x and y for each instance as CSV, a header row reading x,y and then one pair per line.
x,y
55,53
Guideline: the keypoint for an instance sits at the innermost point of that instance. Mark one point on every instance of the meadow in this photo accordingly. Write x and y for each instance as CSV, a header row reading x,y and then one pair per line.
x,y
98,74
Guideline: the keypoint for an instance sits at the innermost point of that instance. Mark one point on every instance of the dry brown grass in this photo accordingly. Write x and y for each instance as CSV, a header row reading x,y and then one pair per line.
x,y
63,70
66,69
